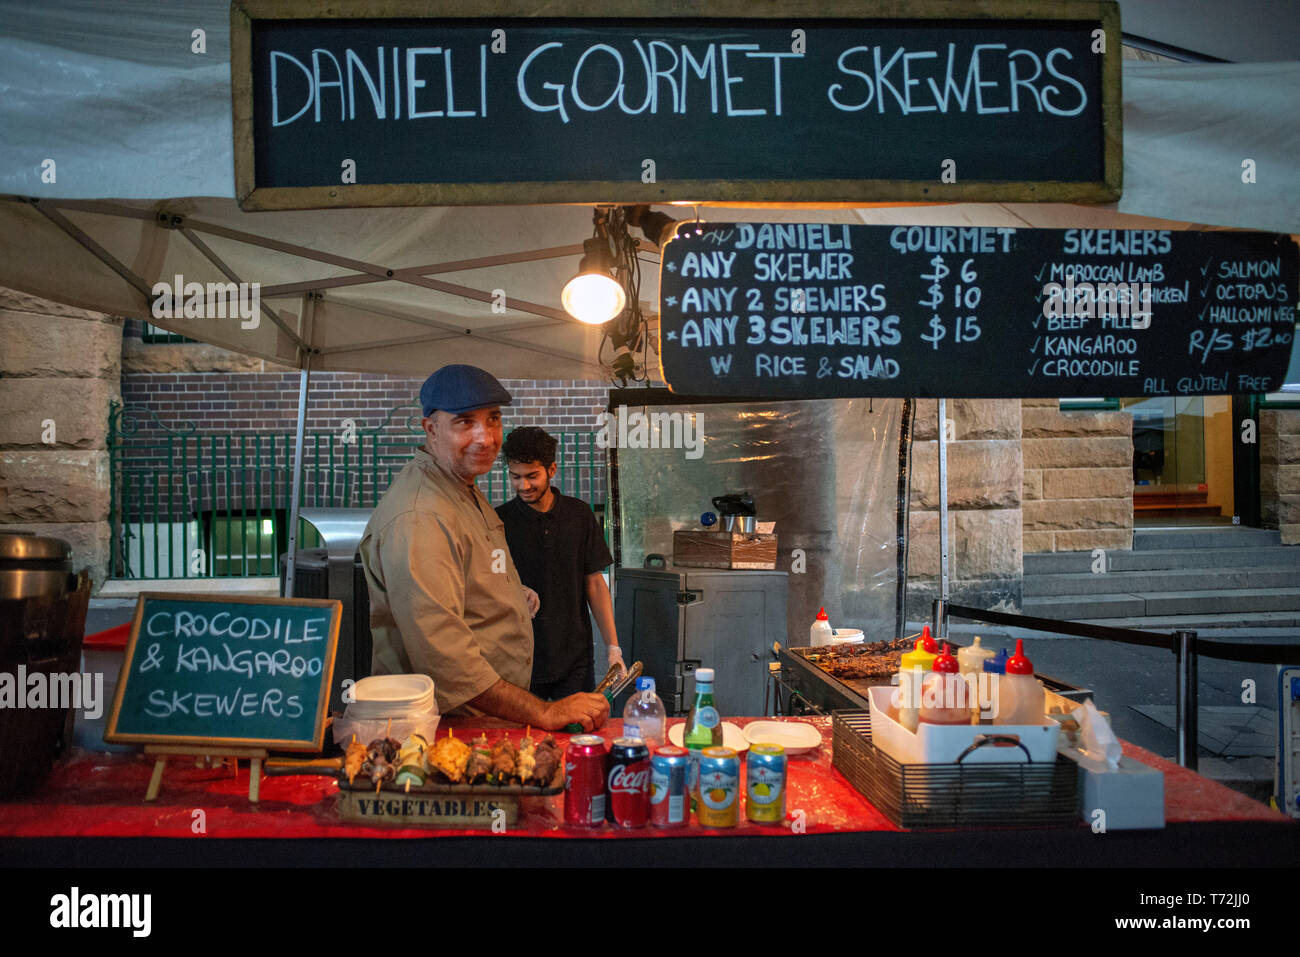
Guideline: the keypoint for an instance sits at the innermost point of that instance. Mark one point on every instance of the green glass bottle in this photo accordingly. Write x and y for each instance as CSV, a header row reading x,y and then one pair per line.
x,y
703,729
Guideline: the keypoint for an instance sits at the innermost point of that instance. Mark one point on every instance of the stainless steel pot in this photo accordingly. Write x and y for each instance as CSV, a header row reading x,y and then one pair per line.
x,y
33,565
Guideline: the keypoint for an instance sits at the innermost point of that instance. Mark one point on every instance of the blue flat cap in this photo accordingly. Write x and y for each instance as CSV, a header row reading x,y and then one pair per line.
x,y
461,388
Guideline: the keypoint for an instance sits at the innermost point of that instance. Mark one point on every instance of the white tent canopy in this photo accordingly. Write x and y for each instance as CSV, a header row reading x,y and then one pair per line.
x,y
136,125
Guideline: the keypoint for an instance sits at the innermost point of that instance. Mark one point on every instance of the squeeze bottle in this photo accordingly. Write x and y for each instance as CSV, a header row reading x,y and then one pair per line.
x,y
821,632
912,668
944,697
1021,698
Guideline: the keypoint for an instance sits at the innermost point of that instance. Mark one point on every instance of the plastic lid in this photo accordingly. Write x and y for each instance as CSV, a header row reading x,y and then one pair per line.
x,y
1018,664
997,664
704,674
821,615
917,658
645,684
931,645
946,663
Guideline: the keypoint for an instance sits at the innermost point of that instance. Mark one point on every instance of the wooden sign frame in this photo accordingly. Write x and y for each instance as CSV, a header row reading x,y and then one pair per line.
x,y
203,743
251,196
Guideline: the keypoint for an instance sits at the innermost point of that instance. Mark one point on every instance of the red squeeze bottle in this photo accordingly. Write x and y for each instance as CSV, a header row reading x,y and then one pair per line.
x,y
928,641
944,698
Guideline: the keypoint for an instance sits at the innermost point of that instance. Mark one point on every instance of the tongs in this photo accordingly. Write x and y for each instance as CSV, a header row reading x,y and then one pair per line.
x,y
611,686
623,683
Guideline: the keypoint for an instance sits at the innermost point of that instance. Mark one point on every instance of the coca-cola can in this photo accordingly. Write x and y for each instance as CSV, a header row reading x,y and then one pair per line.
x,y
584,781
669,768
627,781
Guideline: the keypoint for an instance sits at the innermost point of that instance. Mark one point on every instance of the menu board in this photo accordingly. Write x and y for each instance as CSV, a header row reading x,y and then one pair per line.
x,y
768,310
573,102
209,671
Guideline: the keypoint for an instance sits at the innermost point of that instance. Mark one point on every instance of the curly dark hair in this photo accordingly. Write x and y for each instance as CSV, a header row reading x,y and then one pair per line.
x,y
530,444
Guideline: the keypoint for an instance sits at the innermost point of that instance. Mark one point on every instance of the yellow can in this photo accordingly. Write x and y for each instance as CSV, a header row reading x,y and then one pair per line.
x,y
765,784
719,788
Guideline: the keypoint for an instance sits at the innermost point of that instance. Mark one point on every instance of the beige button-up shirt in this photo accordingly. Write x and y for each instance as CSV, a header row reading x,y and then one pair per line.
x,y
445,598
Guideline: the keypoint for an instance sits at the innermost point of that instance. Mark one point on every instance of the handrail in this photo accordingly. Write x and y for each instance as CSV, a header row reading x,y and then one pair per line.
x,y
1185,645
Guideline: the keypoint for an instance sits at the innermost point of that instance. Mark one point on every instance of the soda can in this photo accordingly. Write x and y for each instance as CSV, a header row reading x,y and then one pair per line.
x,y
719,788
584,781
669,768
765,775
627,782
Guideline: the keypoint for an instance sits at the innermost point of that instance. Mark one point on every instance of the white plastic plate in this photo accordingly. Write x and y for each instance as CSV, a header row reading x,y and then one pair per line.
x,y
795,736
732,736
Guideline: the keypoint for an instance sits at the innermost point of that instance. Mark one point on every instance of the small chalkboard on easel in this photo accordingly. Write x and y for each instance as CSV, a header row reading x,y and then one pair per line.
x,y
219,676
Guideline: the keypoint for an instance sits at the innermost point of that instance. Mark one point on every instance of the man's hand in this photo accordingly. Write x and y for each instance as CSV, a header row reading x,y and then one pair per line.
x,y
589,710
533,600
615,655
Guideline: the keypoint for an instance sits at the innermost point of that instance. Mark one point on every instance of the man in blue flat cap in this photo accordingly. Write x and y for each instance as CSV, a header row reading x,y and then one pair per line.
x,y
445,597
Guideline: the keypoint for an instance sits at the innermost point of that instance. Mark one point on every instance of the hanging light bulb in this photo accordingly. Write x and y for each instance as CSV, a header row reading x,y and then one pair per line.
x,y
593,296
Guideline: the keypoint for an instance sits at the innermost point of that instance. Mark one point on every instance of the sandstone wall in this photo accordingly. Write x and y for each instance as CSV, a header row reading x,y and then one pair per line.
x,y
1078,478
1279,472
60,368
985,482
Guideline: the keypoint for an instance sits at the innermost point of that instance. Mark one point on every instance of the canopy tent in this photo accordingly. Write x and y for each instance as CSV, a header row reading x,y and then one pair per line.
x,y
117,174
123,133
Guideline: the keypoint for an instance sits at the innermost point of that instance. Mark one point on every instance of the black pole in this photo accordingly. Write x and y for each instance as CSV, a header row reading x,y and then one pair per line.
x,y
1185,703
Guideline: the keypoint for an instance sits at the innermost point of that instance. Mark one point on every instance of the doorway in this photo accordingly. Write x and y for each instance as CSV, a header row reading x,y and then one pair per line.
x,y
1183,469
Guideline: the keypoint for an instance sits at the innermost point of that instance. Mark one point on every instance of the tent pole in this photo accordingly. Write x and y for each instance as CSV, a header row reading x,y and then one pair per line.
x,y
296,496
943,503
295,500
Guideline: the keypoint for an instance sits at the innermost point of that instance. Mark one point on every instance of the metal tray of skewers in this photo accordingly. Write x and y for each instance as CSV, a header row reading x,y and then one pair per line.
x,y
448,767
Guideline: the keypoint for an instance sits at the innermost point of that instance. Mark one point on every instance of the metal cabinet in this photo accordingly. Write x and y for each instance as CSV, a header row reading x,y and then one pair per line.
x,y
675,619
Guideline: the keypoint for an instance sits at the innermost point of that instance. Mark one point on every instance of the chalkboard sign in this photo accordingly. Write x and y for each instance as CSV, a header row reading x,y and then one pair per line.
x,y
207,670
832,101
768,310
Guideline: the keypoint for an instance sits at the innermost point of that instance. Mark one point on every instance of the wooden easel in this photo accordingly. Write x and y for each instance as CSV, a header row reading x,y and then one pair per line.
x,y
163,751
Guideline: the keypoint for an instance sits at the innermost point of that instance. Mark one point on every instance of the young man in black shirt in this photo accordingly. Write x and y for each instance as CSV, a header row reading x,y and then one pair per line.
x,y
558,548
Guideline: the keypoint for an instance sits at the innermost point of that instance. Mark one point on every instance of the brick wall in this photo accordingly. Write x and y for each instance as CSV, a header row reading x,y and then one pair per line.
x,y
244,404
985,482
1078,478
1279,472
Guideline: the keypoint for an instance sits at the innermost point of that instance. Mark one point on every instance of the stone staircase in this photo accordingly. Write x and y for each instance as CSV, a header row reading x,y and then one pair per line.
x,y
1173,578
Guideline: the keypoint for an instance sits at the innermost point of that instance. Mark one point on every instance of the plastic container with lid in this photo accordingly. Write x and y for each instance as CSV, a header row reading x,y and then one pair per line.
x,y
407,700
821,632
945,698
1021,698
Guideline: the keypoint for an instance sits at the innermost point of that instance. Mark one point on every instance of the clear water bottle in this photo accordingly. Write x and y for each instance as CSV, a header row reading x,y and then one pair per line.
x,y
644,715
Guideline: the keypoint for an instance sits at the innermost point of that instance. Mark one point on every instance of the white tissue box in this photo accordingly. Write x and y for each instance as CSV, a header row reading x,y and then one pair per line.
x,y
1132,795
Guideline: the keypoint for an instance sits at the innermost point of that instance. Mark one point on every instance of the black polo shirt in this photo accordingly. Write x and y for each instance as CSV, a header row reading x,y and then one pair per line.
x,y
555,551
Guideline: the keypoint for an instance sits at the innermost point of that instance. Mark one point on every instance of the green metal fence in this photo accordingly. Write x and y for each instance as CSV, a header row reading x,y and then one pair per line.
x,y
186,504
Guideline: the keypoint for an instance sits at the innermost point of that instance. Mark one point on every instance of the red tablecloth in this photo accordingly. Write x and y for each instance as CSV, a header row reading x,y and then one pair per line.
x,y
102,795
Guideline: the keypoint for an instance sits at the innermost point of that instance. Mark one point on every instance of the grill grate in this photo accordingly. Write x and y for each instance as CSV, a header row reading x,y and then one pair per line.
x,y
953,795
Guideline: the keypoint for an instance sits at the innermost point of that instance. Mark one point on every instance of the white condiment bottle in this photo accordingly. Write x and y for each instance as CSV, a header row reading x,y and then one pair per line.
x,y
821,632
972,657
970,661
